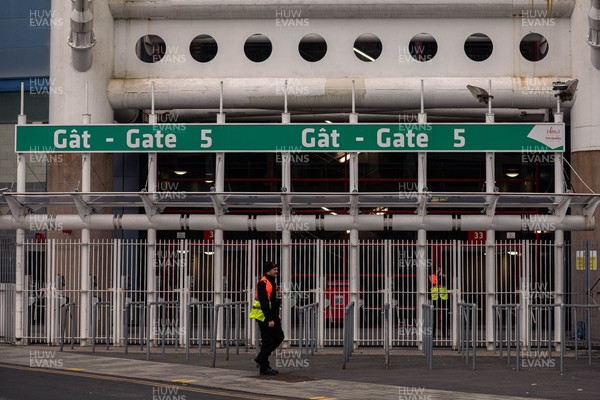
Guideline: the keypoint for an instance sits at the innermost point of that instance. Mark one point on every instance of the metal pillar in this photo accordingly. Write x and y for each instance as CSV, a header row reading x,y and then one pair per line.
x,y
286,238
218,242
421,233
353,254
490,257
151,242
559,240
490,242
85,310
20,301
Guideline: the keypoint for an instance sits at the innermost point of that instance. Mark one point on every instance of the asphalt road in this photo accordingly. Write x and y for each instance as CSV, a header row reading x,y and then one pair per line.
x,y
22,383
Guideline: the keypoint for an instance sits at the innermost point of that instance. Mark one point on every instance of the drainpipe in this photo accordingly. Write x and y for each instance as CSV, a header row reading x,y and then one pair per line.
x,y
81,38
593,38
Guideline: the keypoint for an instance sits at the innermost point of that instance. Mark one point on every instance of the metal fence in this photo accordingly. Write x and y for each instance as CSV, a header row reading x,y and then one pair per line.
x,y
122,282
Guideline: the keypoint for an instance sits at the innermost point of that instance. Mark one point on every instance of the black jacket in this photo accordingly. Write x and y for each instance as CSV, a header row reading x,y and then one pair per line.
x,y
272,312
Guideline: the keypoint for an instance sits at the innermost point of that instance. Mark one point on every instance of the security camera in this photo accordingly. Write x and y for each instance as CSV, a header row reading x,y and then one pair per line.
x,y
566,90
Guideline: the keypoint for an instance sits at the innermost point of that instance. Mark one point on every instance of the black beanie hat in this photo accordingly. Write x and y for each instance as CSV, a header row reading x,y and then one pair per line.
x,y
268,265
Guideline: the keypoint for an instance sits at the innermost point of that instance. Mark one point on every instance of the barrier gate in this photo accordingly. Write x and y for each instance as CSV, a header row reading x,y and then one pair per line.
x,y
183,273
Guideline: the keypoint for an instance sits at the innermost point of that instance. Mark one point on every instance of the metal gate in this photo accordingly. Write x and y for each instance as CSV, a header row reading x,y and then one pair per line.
x,y
7,291
183,273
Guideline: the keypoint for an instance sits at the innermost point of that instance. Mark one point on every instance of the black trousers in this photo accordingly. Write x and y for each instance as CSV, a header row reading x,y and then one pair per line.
x,y
271,339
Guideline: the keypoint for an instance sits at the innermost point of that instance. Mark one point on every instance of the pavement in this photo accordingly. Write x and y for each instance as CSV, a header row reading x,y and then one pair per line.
x,y
321,376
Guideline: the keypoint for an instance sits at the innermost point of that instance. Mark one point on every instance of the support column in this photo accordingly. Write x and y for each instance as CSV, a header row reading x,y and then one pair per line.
x,y
422,292
559,241
151,249
490,255
286,239
21,305
218,243
85,298
353,254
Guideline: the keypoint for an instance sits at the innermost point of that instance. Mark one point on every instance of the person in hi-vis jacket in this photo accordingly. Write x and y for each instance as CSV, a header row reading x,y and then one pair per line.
x,y
439,298
265,310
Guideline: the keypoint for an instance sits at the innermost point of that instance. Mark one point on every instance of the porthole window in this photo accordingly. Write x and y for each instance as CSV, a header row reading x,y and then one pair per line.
x,y
203,48
150,48
312,47
258,47
367,47
478,47
534,47
423,47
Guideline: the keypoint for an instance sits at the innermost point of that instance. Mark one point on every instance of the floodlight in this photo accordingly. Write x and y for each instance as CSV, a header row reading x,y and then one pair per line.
x,y
480,94
565,90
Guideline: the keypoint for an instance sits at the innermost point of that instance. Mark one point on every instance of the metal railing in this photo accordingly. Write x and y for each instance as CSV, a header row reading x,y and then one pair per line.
x,y
309,333
142,306
542,316
348,333
386,337
199,306
588,336
504,333
427,333
467,334
66,313
162,330
238,319
107,323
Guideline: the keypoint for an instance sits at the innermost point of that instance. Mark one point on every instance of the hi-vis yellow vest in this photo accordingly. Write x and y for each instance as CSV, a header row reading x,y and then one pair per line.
x,y
437,292
256,312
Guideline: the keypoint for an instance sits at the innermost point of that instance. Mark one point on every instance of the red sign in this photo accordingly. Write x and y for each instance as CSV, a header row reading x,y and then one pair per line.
x,y
209,236
477,236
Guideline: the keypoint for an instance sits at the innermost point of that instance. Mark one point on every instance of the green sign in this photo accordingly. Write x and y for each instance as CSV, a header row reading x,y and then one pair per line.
x,y
288,137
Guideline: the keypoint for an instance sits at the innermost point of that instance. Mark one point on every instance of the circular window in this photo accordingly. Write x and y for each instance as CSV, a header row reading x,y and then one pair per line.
x,y
478,47
203,48
423,47
150,48
534,47
312,47
367,47
258,47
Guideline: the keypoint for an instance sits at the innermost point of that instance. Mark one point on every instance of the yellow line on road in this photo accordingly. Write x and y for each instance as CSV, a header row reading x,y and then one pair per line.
x,y
183,380
139,382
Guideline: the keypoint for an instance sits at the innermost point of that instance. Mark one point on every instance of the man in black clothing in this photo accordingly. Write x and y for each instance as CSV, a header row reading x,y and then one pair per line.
x,y
267,299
